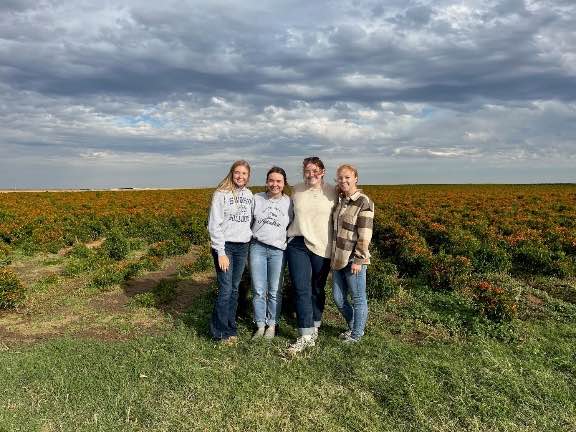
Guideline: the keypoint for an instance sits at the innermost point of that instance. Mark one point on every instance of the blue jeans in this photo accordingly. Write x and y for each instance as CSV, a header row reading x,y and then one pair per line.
x,y
266,265
308,272
344,283
223,321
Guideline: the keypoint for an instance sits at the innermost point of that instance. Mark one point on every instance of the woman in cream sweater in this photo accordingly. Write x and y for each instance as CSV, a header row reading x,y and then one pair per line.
x,y
309,249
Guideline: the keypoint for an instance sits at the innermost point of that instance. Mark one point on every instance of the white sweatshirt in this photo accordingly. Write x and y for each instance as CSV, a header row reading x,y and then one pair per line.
x,y
230,218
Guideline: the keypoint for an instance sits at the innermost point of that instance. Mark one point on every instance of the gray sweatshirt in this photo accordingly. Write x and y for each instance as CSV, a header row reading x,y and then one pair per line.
x,y
230,218
271,217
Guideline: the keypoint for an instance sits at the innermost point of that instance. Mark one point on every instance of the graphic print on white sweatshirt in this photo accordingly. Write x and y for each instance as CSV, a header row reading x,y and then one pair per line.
x,y
272,215
240,209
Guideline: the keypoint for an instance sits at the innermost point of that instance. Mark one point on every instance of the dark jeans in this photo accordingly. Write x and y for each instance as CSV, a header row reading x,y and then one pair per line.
x,y
308,272
223,321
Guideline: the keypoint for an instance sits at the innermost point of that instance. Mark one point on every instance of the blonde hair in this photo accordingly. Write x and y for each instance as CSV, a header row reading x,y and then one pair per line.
x,y
349,168
341,168
227,183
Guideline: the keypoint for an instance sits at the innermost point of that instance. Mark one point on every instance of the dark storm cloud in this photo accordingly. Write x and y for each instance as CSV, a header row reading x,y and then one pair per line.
x,y
162,51
132,80
8,6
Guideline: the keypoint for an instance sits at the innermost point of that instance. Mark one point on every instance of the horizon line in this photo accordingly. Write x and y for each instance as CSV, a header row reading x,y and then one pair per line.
x,y
129,188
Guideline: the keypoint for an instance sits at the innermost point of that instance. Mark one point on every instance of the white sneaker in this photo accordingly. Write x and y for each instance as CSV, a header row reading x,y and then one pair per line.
x,y
315,334
345,335
258,333
350,340
270,332
301,344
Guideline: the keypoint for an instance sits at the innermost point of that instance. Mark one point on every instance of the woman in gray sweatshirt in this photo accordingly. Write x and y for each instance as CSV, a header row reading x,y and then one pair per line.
x,y
271,216
230,233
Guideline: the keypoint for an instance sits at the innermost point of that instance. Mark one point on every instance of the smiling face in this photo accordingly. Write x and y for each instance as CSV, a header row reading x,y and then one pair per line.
x,y
240,176
275,184
347,181
313,175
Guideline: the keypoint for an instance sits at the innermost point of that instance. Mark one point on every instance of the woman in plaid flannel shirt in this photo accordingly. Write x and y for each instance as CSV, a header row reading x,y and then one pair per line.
x,y
353,219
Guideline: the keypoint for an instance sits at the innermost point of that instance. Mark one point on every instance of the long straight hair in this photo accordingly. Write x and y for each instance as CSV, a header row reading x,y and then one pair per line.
x,y
227,183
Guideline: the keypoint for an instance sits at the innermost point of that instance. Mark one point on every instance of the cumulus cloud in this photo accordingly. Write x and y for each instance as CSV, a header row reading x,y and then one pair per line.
x,y
196,84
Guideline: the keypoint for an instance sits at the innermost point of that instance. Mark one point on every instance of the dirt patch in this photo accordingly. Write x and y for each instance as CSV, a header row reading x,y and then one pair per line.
x,y
10,337
33,269
76,312
532,299
562,289
422,334
90,245
416,337
96,243
187,291
21,327
392,318
109,302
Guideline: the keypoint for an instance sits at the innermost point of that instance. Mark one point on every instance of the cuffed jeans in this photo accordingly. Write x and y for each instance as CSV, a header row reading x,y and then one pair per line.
x,y
223,321
308,272
266,265
344,283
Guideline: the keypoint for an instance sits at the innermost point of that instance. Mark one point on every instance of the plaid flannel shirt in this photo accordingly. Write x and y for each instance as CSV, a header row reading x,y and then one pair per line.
x,y
353,221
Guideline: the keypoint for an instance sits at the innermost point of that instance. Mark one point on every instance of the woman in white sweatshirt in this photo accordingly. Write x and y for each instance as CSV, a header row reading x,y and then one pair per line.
x,y
230,233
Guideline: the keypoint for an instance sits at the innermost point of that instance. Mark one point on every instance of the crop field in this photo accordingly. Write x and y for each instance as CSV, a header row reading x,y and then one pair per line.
x,y
105,298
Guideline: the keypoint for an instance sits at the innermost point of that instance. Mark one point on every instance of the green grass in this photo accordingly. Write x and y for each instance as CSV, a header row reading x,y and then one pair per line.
x,y
421,367
202,263
45,284
163,293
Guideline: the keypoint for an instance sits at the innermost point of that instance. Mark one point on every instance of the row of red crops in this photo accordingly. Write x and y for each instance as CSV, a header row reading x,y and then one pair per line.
x,y
519,228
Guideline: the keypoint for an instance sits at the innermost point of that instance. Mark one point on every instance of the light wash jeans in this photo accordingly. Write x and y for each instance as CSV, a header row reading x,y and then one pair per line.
x,y
266,266
344,283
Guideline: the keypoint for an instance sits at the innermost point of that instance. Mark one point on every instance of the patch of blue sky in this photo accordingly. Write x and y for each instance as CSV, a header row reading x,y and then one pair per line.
x,y
427,111
150,120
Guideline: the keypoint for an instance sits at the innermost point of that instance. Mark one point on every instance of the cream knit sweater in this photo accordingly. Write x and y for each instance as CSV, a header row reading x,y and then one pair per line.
x,y
312,217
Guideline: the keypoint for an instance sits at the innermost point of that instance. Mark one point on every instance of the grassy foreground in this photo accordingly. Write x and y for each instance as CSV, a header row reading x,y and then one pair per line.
x,y
424,365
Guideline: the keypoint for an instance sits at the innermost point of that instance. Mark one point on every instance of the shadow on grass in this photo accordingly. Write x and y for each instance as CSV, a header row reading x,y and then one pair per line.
x,y
187,300
191,300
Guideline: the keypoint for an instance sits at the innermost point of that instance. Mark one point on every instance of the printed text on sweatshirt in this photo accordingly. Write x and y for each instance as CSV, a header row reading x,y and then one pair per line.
x,y
271,218
230,218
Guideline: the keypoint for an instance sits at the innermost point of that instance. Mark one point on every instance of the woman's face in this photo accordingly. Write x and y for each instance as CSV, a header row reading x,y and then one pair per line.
x,y
313,174
240,176
275,183
347,181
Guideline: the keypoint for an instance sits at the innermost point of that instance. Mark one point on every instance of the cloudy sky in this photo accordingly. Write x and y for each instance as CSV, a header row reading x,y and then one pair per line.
x,y
98,93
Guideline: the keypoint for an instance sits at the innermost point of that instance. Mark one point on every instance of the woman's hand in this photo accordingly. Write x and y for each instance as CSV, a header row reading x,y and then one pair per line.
x,y
355,268
223,263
